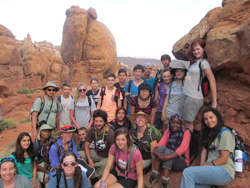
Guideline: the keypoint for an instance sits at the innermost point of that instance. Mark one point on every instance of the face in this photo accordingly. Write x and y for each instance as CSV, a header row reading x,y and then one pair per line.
x,y
50,91
198,52
82,135
175,124
99,123
144,93
110,81
147,70
122,77
45,133
7,170
166,77
210,119
138,73
69,165
94,84
179,73
82,90
25,142
66,136
165,62
140,121
120,115
121,141
66,91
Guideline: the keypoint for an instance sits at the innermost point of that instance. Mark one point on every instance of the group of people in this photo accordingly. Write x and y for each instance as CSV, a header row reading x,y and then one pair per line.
x,y
139,125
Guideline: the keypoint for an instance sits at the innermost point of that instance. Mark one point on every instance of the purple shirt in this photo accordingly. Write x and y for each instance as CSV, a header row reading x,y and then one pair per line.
x,y
162,96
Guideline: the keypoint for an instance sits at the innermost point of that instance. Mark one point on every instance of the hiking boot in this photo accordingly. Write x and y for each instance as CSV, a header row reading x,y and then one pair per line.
x,y
152,180
165,184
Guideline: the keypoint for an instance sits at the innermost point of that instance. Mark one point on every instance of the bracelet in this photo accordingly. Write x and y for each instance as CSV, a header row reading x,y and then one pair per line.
x,y
103,181
89,158
213,163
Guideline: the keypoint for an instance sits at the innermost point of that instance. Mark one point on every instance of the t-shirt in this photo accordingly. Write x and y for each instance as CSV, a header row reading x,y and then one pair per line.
x,y
174,96
133,90
82,111
56,107
70,182
101,148
93,95
80,145
162,92
108,104
120,126
151,82
64,118
192,79
146,154
20,182
38,148
117,85
125,156
146,110
25,169
227,142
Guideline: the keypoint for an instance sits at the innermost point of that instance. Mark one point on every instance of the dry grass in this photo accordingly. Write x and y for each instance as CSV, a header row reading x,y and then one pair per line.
x,y
8,150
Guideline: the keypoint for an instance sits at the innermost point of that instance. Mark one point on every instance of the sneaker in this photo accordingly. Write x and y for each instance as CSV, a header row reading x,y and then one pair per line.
x,y
152,180
165,184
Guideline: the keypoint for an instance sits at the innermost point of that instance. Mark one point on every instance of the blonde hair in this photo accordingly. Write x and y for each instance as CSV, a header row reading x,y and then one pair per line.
x,y
76,93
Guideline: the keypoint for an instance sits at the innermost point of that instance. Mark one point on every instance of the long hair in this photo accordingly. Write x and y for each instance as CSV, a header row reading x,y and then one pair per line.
x,y
76,93
209,134
183,79
125,119
19,150
78,172
190,54
127,135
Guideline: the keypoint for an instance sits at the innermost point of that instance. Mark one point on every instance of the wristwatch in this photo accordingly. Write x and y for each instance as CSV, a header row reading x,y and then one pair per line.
x,y
88,158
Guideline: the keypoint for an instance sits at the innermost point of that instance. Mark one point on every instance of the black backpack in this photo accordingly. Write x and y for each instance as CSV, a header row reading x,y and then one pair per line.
x,y
193,147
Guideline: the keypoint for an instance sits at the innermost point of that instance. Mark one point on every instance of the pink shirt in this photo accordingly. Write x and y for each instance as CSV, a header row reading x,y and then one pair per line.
x,y
125,156
183,148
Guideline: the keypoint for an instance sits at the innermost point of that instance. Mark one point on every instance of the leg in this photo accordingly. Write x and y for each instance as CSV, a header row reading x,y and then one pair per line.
x,y
111,179
205,176
82,155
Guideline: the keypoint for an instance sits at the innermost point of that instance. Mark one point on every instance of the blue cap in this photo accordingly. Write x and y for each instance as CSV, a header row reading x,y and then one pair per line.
x,y
148,64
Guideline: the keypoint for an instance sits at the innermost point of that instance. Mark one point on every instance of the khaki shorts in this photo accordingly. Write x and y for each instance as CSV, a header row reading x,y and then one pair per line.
x,y
40,174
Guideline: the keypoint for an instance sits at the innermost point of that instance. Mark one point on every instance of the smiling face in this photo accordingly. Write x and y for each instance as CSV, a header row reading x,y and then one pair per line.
x,y
144,93
7,171
94,84
25,142
69,170
137,73
140,121
122,77
166,77
82,135
121,141
198,52
50,91
99,123
66,136
82,90
179,74
175,124
66,91
121,115
110,81
210,119
45,133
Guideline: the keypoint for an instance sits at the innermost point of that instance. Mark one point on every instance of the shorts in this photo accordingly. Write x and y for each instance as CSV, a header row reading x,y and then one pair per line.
x,y
126,183
158,121
167,120
189,107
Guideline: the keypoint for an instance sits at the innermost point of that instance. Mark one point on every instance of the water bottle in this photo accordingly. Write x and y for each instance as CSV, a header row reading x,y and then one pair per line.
x,y
238,161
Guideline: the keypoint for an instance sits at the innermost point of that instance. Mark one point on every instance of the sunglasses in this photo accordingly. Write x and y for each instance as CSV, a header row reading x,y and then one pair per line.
x,y
82,90
51,90
7,159
72,163
68,129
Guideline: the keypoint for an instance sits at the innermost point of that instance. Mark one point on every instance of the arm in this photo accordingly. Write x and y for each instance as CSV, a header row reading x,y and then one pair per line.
x,y
153,113
33,124
168,157
125,101
119,103
152,148
57,120
99,104
71,115
203,156
132,109
139,170
91,121
41,169
163,116
87,152
34,183
208,72
156,93
204,30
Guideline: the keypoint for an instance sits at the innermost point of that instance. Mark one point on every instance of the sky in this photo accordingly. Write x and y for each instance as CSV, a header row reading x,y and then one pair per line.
x,y
141,28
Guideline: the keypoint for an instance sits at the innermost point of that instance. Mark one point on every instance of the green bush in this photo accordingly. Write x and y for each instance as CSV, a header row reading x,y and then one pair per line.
x,y
26,120
29,96
7,124
26,91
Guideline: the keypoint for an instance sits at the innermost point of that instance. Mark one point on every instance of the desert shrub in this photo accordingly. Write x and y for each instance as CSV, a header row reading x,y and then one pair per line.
x,y
29,96
7,124
26,120
26,91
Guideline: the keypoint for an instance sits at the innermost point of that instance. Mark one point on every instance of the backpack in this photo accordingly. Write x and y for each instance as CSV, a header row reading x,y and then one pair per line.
x,y
193,147
129,94
116,96
204,82
59,98
239,145
158,76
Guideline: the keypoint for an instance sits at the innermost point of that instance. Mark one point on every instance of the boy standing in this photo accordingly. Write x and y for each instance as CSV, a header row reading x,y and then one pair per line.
x,y
147,75
122,75
65,99
109,97
165,60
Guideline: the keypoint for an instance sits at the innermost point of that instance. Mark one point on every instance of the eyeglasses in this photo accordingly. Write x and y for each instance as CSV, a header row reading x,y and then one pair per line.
x,y
72,163
51,90
82,90
7,159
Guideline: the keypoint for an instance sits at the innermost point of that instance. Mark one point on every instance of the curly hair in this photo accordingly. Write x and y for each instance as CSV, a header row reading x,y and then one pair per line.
x,y
20,151
76,93
78,172
125,119
190,54
209,134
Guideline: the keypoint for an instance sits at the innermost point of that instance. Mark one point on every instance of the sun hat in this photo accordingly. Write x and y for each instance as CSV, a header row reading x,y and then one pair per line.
x,y
43,127
140,113
51,84
178,66
66,128
148,64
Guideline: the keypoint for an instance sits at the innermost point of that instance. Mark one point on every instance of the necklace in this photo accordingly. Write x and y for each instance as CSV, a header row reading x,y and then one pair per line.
x,y
143,103
140,131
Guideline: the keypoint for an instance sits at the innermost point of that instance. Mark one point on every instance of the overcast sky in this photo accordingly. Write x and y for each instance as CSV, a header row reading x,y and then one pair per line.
x,y
141,28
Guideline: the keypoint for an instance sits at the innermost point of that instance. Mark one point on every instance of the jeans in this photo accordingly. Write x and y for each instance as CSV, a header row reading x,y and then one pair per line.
x,y
205,176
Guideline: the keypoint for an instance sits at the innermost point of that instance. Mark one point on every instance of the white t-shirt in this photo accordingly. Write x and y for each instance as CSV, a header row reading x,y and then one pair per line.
x,y
192,79
64,118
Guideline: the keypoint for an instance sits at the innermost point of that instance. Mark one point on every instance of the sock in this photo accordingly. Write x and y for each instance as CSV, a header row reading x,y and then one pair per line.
x,y
165,179
156,172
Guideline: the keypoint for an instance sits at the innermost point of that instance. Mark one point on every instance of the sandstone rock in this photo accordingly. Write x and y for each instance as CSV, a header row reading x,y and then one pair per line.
x,y
4,90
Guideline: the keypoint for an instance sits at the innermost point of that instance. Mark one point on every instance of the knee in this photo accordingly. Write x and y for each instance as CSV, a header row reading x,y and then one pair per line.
x,y
97,184
186,173
160,149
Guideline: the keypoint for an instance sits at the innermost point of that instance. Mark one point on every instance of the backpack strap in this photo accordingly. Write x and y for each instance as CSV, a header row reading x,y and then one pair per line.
x,y
117,94
129,85
102,93
222,130
89,100
106,135
59,98
133,148
170,89
201,76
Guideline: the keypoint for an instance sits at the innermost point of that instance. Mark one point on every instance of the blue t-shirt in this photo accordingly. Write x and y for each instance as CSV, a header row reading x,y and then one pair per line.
x,y
70,182
133,90
150,82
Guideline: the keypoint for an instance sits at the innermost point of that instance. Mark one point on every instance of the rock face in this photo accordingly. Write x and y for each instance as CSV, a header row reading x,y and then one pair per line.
x,y
228,50
88,47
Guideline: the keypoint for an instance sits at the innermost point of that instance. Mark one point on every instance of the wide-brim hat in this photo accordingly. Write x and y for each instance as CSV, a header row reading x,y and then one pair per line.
x,y
51,84
178,66
66,128
43,127
133,116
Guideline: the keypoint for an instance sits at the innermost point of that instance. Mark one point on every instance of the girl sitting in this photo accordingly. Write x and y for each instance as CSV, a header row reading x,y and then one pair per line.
x,y
121,119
